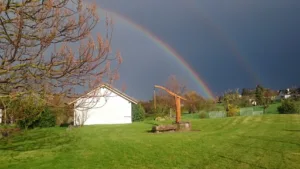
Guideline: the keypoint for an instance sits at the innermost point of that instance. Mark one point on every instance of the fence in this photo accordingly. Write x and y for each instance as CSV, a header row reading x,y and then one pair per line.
x,y
217,114
243,112
250,112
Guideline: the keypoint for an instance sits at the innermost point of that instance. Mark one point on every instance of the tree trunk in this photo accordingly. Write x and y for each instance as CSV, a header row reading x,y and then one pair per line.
x,y
5,116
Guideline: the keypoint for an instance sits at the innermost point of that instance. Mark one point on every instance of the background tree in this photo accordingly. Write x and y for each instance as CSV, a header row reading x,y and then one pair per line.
x,y
259,94
138,112
246,92
231,100
194,101
29,61
164,101
230,97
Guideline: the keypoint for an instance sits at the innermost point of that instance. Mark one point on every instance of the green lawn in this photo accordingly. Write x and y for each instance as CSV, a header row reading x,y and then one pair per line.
x,y
269,141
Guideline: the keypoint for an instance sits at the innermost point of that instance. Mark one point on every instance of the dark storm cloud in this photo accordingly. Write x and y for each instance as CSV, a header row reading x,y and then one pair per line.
x,y
230,43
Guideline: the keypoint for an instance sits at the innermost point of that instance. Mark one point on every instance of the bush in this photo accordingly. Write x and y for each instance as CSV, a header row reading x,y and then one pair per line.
x,y
43,120
47,119
232,110
288,106
202,115
138,112
28,122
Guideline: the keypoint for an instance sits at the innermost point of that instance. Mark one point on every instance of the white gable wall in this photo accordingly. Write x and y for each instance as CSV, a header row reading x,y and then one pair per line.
x,y
108,108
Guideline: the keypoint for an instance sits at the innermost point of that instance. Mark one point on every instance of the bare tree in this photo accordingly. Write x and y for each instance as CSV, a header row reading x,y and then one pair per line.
x,y
29,29
194,101
175,85
29,61
164,100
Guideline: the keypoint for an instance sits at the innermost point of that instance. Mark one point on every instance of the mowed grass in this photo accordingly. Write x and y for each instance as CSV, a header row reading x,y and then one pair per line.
x,y
269,141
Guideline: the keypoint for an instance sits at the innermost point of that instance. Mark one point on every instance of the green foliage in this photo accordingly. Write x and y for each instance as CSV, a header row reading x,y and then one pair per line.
x,y
27,122
247,92
138,112
202,115
259,93
208,105
45,119
193,103
232,110
243,102
288,106
231,96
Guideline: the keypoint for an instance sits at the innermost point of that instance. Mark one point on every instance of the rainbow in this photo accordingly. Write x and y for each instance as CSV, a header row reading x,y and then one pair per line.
x,y
223,37
168,49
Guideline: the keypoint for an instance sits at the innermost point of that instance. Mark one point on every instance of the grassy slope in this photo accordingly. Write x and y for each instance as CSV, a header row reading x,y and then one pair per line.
x,y
269,141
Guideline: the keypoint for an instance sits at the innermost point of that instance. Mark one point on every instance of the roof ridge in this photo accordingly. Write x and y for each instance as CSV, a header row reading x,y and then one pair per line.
x,y
114,89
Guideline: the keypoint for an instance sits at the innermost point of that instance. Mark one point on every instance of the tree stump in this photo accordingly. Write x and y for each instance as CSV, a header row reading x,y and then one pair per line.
x,y
184,126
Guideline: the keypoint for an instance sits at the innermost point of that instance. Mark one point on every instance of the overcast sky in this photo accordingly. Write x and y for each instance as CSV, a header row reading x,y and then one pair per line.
x,y
230,44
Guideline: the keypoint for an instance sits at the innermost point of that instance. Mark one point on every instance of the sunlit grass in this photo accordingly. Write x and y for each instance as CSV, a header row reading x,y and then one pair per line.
x,y
269,141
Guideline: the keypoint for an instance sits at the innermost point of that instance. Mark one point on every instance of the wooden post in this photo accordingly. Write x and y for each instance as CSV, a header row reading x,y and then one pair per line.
x,y
178,109
154,99
177,101
5,116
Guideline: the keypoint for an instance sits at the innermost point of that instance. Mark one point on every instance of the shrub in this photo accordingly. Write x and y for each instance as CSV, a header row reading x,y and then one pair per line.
x,y
43,120
232,110
138,112
47,119
28,122
288,106
202,115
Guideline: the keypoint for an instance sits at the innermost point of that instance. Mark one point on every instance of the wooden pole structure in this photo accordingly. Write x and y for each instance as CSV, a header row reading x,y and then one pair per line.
x,y
154,99
177,101
178,109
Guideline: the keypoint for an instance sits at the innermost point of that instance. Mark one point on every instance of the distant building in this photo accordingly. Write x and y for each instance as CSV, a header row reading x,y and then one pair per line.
x,y
284,94
253,102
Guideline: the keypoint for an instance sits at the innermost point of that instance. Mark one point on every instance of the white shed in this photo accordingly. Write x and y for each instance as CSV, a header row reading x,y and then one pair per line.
x,y
103,105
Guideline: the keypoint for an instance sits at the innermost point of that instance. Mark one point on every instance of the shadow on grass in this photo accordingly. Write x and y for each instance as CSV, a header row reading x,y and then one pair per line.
x,y
36,140
152,123
261,138
153,132
240,161
292,130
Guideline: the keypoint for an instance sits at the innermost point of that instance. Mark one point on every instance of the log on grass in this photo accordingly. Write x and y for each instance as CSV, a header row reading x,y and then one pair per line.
x,y
164,128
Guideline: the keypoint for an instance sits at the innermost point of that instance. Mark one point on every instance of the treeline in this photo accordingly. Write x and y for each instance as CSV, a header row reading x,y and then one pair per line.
x,y
231,101
165,103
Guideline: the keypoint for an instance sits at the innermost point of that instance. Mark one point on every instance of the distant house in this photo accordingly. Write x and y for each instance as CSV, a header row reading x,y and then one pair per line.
x,y
284,94
103,105
253,102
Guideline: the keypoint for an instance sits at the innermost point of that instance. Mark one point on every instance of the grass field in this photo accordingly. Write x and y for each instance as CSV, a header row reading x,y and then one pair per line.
x,y
269,141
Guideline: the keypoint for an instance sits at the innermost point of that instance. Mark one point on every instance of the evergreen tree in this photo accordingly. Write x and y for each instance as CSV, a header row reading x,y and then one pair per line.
x,y
259,94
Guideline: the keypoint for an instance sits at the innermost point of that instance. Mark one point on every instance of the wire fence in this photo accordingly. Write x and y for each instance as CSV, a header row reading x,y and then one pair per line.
x,y
243,112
